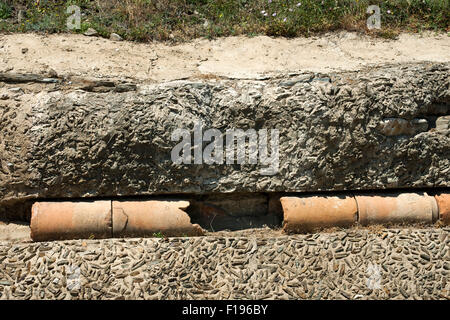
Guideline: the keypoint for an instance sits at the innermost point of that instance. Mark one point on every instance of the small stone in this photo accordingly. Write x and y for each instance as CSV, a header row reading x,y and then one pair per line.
x,y
443,123
74,293
425,256
16,90
345,294
52,73
24,50
404,293
90,32
115,37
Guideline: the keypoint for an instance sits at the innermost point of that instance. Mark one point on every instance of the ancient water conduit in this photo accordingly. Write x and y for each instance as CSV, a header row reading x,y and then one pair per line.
x,y
194,215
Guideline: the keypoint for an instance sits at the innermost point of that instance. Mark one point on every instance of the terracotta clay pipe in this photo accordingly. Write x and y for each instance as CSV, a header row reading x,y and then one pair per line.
x,y
145,218
106,219
443,202
305,214
397,208
70,220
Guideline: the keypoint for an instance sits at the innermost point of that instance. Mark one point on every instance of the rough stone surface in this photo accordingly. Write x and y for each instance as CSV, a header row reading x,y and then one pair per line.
x,y
355,264
443,123
115,37
90,32
102,138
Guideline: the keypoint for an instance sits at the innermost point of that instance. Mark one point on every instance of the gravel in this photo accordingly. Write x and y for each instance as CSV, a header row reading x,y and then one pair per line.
x,y
351,264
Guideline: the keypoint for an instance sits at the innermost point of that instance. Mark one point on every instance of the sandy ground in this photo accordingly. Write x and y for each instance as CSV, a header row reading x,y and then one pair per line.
x,y
234,57
15,232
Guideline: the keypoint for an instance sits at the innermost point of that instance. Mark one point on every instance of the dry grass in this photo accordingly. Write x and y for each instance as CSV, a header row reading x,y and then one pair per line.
x,y
180,20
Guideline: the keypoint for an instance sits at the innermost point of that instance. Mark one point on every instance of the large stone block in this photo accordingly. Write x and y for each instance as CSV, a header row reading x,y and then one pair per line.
x,y
62,143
